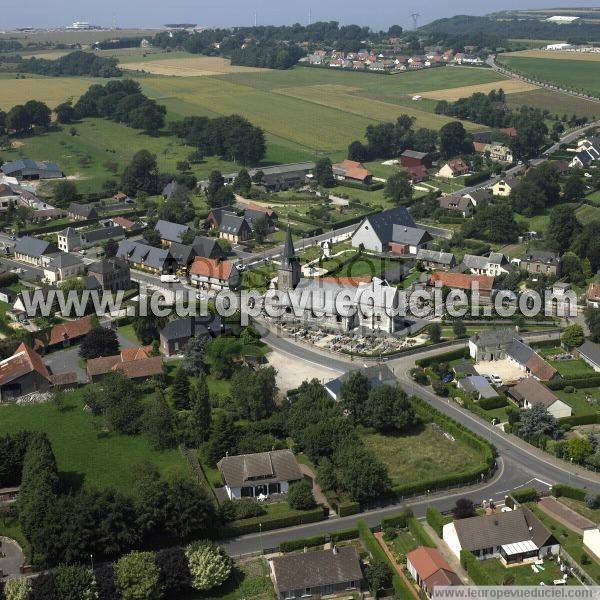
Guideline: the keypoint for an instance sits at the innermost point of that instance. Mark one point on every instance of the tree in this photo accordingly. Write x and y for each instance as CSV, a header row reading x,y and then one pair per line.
x,y
65,113
358,152
200,411
180,390
578,450
75,582
138,577
398,187
537,422
65,191
354,392
242,183
147,328
572,268
453,139
159,424
527,198
175,573
111,248
323,173
254,392
220,353
194,354
592,320
562,227
100,341
17,120
223,438
300,496
215,183
149,116
459,329
209,565
572,336
463,509
18,588
152,238
574,189
260,228
388,409
434,331
141,174
493,223
378,575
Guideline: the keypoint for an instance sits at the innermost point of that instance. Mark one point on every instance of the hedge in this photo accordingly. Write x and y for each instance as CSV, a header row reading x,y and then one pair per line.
x,y
348,507
589,419
419,533
373,187
440,358
577,382
318,540
473,569
435,519
252,525
494,402
400,520
378,553
477,178
568,491
525,495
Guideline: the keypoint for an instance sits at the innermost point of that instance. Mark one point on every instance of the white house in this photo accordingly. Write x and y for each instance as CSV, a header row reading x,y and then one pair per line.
x,y
529,392
375,232
262,474
493,265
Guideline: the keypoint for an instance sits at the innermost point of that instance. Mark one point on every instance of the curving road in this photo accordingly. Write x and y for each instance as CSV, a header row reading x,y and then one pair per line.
x,y
519,464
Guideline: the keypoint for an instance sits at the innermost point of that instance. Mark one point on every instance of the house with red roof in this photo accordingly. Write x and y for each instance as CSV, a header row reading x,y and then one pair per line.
x,y
430,569
350,170
23,373
212,273
65,334
461,281
134,363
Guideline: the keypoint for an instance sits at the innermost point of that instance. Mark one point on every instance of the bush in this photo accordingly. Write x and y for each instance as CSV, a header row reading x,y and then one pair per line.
x,y
209,566
245,508
473,569
441,389
560,489
400,520
300,496
435,519
525,495
592,501
390,533
440,358
244,526
318,540
491,403
569,389
347,508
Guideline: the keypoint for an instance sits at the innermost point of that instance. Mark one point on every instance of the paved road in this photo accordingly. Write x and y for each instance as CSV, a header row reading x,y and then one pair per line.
x,y
519,464
11,558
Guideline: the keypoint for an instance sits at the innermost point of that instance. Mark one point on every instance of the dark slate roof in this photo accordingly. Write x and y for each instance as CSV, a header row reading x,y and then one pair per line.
x,y
137,252
182,253
218,213
519,352
231,223
31,246
207,247
534,392
383,222
64,259
170,189
210,325
91,283
283,169
87,211
170,231
377,375
465,368
107,265
413,236
494,337
585,157
443,258
414,154
541,256
27,164
103,233
479,195
316,569
500,529
591,351
483,137
473,261
276,465
479,384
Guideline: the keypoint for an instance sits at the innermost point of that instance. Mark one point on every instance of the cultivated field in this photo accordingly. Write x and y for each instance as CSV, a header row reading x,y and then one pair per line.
x,y
512,86
197,66
51,90
557,55
555,102
76,36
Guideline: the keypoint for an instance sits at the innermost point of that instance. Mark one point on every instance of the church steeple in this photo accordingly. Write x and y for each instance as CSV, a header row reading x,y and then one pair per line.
x,y
289,271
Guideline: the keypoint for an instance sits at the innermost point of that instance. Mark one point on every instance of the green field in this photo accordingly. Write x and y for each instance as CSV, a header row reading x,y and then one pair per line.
x,y
87,454
573,74
555,102
421,457
587,213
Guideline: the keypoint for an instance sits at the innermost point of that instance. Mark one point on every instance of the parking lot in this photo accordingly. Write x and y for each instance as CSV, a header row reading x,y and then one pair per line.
x,y
504,368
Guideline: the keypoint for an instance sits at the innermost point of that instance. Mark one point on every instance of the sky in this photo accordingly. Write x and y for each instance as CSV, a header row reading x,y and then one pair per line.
x,y
154,13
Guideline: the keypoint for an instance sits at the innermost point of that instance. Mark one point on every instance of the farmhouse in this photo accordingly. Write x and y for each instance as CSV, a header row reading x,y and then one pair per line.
x,y
234,228
65,334
453,168
317,574
215,216
432,259
217,274
177,333
590,353
350,170
262,474
23,373
429,569
376,232
146,258
31,169
82,212
31,250
133,363
127,224
170,232
8,197
61,266
505,186
492,265
112,274
412,158
540,261
479,196
529,392
516,536
461,204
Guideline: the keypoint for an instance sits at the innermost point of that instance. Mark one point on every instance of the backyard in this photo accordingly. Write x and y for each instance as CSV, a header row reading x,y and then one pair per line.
x,y
522,574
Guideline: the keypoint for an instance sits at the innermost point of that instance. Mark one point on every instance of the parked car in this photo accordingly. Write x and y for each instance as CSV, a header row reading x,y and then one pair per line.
x,y
496,379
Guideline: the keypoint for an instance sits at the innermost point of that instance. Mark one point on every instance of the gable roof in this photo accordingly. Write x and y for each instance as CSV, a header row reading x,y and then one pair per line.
x,y
462,281
541,256
69,330
207,247
494,337
534,392
479,384
538,367
455,202
138,253
209,325
103,233
169,231
87,211
209,267
108,265
413,236
276,465
31,246
427,561
591,351
383,223
232,223
62,260
443,258
182,253
134,363
22,362
27,164
316,569
415,154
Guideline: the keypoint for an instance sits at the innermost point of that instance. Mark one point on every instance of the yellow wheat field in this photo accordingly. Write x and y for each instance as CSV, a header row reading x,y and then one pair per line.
x,y
510,86
188,67
556,55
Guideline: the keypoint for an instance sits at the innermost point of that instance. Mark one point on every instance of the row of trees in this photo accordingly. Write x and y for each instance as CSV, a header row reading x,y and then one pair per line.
x,y
487,109
77,63
22,119
268,56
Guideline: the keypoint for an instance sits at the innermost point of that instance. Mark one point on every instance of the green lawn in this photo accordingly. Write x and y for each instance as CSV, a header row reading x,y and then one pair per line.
x,y
403,543
128,332
577,401
422,456
522,575
593,514
572,368
594,196
587,213
87,454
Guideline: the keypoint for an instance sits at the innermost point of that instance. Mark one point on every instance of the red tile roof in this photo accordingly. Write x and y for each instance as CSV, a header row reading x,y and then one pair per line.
x,y
356,280
129,354
23,361
427,561
132,362
480,147
69,330
259,208
540,368
462,281
208,267
123,222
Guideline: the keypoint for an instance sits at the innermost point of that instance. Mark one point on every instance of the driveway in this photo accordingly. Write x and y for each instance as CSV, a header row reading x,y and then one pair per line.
x,y
11,558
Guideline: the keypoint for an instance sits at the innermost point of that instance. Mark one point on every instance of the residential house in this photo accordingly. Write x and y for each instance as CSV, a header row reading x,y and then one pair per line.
x,y
318,574
8,197
482,137
478,386
171,188
412,158
146,258
170,232
479,196
31,250
216,274
70,240
136,364
207,247
430,569
590,353
460,204
65,334
23,373
493,265
234,229
500,153
516,536
561,167
113,274
350,170
408,240
432,259
61,266
127,224
261,474
253,215
540,262
82,212
453,168
28,169
529,393
417,173
47,295
177,333
460,281
376,374
505,186
184,255
375,232
215,216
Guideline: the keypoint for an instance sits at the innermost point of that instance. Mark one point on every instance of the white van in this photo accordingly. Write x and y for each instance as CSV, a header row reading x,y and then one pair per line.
x,y
169,279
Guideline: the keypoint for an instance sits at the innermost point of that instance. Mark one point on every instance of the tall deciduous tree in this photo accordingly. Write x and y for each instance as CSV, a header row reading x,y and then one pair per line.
x,y
200,411
398,187
100,341
138,577
141,174
209,565
323,172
